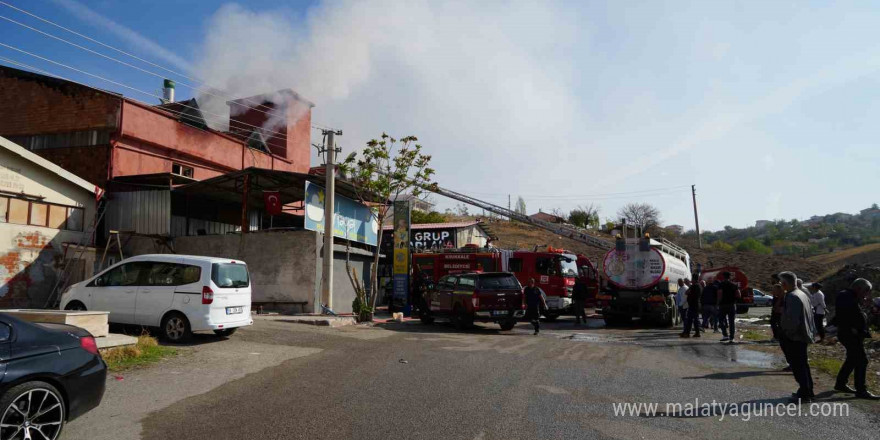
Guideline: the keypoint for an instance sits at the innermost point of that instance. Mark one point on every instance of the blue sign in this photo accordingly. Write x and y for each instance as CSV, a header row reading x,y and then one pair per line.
x,y
353,221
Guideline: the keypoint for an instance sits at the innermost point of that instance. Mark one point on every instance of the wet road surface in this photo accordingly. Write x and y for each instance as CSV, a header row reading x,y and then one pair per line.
x,y
426,382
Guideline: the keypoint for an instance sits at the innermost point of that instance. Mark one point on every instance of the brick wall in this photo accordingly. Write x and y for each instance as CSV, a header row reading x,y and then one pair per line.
x,y
34,104
90,163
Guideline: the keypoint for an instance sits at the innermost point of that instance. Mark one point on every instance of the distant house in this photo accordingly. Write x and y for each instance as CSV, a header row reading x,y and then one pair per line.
x,y
676,229
761,224
871,212
417,203
543,216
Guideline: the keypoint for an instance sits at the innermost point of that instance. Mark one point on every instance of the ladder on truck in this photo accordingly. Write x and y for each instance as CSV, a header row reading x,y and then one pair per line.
x,y
71,262
559,229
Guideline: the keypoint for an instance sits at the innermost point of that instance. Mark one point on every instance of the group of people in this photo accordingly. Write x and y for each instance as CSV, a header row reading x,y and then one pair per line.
x,y
703,305
797,319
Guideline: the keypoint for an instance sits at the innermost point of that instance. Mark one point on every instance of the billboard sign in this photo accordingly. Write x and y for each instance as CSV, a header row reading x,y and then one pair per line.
x,y
353,221
401,258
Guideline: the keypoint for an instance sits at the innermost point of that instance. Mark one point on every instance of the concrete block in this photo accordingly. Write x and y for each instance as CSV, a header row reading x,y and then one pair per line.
x,y
95,323
115,340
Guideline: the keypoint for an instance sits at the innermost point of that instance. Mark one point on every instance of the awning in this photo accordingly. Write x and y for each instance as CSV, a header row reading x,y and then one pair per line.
x,y
230,187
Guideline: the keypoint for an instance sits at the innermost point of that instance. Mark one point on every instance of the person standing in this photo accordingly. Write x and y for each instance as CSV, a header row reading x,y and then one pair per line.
x,y
817,297
681,298
776,309
535,304
710,306
694,298
728,295
797,330
579,300
852,330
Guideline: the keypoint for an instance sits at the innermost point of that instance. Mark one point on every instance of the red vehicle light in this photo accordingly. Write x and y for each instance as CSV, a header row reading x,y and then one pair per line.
x,y
207,295
88,344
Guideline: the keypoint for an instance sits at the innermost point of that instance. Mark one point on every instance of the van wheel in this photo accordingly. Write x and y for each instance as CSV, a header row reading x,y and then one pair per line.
x,y
75,306
225,332
507,325
175,328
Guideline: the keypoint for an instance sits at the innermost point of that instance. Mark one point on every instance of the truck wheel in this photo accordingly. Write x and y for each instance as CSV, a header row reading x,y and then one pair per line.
x,y
507,325
461,320
426,318
742,310
550,317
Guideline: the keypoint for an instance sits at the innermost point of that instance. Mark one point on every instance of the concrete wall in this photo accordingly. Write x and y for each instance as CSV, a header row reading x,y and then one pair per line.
x,y
30,256
285,266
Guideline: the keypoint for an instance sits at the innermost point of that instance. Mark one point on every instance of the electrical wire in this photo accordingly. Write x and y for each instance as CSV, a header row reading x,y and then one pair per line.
x,y
127,86
210,92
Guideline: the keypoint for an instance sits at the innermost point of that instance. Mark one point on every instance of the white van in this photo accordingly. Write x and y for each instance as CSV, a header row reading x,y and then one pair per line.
x,y
179,294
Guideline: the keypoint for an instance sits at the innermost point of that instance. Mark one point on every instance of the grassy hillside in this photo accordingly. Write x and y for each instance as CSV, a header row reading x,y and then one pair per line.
x,y
867,254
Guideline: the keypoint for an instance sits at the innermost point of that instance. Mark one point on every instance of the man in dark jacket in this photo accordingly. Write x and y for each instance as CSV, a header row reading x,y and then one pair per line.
x,y
579,300
728,295
710,306
852,330
694,298
797,330
535,304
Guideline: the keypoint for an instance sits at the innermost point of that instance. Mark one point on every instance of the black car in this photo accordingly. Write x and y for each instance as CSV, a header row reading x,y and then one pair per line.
x,y
50,374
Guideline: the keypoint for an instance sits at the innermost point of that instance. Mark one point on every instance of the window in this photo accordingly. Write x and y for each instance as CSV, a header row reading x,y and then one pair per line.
x,y
57,216
544,266
515,264
75,219
4,209
181,170
125,275
467,282
18,211
227,275
170,274
39,214
447,282
499,281
5,332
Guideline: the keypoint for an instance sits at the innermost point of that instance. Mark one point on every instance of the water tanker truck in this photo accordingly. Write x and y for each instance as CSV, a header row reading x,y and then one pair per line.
x,y
642,277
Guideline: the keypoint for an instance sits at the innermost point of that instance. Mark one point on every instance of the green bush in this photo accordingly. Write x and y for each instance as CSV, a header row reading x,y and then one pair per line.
x,y
722,246
419,217
753,246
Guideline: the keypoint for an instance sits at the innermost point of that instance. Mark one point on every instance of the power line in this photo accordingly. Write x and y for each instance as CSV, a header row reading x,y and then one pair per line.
x,y
231,99
586,196
128,87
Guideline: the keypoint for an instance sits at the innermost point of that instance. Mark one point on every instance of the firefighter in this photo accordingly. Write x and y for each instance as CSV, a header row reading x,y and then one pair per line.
x,y
535,304
578,300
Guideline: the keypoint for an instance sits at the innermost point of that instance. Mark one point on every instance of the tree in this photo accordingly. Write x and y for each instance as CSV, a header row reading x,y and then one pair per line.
x,y
387,168
520,207
419,217
585,216
462,210
642,215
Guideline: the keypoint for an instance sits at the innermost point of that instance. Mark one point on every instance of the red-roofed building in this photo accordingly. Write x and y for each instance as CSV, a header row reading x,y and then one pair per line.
x,y
101,136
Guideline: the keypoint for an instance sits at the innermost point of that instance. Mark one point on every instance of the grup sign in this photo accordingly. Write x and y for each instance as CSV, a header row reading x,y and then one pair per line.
x,y
433,239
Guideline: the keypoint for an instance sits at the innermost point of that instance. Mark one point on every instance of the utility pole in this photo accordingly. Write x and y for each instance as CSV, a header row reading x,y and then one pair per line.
x,y
329,216
696,217
508,206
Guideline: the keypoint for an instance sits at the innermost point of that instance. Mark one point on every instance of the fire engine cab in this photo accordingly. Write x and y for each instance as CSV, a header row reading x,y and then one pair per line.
x,y
554,270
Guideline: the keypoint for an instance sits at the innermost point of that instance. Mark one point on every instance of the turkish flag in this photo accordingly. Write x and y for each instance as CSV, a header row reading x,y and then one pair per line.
x,y
272,199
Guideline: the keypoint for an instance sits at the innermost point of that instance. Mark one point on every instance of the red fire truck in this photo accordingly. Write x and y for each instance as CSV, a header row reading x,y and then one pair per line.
x,y
554,270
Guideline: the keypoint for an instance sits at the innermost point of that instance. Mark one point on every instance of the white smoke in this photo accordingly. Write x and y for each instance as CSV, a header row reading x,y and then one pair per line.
x,y
471,79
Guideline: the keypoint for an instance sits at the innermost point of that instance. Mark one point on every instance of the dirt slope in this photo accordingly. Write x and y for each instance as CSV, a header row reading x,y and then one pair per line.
x,y
867,254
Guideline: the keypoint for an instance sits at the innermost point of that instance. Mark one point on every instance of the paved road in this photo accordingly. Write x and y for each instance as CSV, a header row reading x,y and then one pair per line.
x,y
484,384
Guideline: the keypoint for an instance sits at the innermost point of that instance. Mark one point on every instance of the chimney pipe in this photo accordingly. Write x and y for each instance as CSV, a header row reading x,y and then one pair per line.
x,y
168,91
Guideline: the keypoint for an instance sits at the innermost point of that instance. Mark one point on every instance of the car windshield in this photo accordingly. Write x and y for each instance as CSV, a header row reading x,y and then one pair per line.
x,y
568,266
498,281
229,275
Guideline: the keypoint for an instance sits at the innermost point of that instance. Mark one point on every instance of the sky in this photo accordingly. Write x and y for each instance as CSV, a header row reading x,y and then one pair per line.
x,y
769,108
